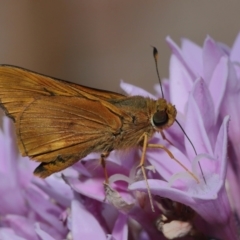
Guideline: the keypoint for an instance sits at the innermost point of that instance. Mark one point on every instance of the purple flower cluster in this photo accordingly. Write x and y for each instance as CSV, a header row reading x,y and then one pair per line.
x,y
204,85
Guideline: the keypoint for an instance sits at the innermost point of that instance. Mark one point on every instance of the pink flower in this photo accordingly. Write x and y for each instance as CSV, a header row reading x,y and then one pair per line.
x,y
26,211
218,65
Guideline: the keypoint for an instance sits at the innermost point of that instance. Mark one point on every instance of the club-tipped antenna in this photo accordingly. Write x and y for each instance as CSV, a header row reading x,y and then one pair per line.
x,y
155,55
192,147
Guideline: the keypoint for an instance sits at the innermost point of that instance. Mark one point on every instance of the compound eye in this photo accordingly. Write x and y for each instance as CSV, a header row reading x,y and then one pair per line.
x,y
160,118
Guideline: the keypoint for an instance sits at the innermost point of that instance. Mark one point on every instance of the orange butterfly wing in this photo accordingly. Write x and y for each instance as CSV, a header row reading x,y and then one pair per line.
x,y
19,86
57,122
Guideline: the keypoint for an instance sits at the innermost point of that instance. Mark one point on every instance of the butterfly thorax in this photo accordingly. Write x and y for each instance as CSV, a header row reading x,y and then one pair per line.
x,y
147,116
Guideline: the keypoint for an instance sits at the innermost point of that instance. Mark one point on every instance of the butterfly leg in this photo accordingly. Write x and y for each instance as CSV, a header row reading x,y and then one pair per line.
x,y
150,145
103,163
164,138
141,165
47,168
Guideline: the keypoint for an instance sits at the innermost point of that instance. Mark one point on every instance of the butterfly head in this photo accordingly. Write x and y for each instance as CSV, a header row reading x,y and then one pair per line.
x,y
164,115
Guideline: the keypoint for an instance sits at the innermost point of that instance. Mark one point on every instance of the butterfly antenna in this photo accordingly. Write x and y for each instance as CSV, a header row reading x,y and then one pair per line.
x,y
155,55
192,147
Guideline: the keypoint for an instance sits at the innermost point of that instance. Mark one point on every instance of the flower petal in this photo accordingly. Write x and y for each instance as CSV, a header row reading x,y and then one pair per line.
x,y
204,101
56,188
211,56
84,224
219,81
46,210
133,90
8,153
180,84
220,151
235,56
21,225
230,106
164,164
42,234
12,199
162,189
178,53
90,187
196,131
120,230
193,56
7,233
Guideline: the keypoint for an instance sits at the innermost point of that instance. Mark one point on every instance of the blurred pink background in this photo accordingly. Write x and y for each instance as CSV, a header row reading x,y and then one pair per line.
x,y
97,43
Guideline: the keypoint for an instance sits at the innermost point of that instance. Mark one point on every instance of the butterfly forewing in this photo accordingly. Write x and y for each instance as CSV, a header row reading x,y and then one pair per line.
x,y
18,87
